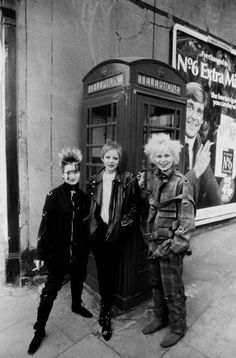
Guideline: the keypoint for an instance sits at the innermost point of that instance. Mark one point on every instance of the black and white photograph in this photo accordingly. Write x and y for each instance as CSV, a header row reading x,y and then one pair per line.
x,y
117,178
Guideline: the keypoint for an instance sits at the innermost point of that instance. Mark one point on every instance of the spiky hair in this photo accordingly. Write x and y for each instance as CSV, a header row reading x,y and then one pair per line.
x,y
69,155
160,140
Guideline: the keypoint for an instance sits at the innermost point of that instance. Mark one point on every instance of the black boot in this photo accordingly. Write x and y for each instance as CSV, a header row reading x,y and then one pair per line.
x,y
82,311
44,309
36,341
101,315
106,326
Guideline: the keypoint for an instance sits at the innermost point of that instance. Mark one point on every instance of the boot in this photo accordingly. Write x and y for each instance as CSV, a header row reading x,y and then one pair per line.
x,y
82,311
101,315
160,313
76,294
36,341
155,325
106,326
44,309
171,339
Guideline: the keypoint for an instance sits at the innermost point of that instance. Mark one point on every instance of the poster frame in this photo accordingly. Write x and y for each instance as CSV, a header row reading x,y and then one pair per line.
x,y
220,212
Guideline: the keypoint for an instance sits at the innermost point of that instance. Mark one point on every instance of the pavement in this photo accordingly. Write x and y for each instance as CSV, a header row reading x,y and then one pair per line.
x,y
210,282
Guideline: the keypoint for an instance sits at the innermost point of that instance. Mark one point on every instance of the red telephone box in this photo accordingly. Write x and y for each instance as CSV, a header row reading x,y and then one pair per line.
x,y
127,100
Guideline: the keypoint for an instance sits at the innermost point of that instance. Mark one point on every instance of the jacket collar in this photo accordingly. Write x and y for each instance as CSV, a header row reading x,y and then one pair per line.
x,y
98,177
69,187
164,176
97,184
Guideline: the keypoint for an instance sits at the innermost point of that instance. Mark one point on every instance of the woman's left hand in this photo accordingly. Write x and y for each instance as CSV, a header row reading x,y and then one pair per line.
x,y
126,222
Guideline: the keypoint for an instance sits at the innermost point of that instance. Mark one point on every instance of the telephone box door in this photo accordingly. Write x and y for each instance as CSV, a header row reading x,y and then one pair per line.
x,y
154,115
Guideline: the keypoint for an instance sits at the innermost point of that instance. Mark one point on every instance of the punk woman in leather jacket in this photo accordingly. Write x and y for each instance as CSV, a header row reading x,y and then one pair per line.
x,y
63,242
114,206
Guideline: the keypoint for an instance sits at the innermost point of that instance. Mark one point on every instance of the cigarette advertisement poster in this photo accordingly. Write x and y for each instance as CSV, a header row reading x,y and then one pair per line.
x,y
204,60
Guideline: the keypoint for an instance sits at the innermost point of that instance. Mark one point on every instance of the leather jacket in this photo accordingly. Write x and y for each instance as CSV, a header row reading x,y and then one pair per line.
x,y
56,239
124,202
171,213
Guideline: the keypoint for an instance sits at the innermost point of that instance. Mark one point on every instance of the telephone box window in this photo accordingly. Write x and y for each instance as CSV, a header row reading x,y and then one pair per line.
x,y
101,125
160,117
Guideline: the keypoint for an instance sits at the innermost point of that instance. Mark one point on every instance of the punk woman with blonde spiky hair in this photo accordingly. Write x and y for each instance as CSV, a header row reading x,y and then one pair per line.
x,y
63,242
159,141
169,226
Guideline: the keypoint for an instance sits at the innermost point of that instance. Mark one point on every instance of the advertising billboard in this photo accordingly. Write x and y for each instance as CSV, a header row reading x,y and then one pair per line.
x,y
209,67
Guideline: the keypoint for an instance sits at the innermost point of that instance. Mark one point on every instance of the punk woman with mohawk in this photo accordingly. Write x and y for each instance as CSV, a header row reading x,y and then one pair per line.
x,y
63,242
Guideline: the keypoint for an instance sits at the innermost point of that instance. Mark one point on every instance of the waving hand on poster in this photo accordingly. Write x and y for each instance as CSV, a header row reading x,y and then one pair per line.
x,y
203,158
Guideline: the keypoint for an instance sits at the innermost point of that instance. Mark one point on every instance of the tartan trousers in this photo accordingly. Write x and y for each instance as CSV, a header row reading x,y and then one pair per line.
x,y
168,290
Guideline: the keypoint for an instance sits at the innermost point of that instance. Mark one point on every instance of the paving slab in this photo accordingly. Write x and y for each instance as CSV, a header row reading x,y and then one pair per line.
x,y
215,331
90,347
15,340
183,350
71,324
130,342
16,304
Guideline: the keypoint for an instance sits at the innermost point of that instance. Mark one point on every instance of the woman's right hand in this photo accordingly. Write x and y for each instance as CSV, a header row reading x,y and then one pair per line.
x,y
141,179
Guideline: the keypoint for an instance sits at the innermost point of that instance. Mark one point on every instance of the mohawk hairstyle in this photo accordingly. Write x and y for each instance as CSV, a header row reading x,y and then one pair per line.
x,y
157,141
69,155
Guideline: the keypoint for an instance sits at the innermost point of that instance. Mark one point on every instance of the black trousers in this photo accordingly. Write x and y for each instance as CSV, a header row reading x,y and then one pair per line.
x,y
57,270
107,255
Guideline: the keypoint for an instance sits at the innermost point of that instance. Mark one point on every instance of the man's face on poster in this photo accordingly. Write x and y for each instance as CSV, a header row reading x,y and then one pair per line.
x,y
194,117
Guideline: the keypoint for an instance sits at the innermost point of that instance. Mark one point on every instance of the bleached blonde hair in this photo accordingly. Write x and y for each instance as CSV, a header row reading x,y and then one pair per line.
x,y
69,155
111,145
160,140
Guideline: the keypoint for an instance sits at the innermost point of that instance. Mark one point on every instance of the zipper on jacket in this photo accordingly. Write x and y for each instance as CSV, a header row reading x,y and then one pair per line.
x,y
72,192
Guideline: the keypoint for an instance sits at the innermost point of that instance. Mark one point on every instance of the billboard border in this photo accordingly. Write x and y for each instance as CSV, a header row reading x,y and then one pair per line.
x,y
225,211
